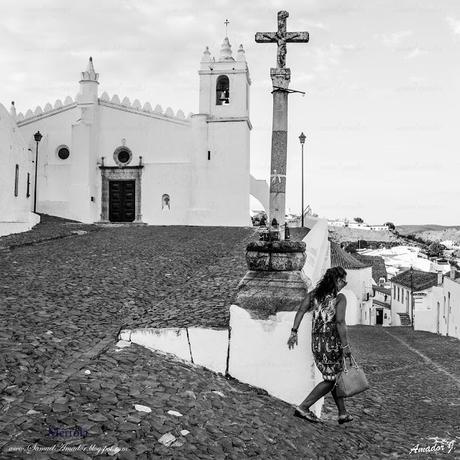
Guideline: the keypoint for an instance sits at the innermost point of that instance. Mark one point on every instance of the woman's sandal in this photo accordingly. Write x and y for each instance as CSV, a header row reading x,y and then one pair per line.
x,y
344,419
306,415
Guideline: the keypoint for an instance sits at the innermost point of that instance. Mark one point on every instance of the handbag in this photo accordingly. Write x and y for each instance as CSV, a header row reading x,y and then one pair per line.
x,y
351,380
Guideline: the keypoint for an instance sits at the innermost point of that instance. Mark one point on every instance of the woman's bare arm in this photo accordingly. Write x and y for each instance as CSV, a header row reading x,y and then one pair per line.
x,y
341,308
303,308
301,311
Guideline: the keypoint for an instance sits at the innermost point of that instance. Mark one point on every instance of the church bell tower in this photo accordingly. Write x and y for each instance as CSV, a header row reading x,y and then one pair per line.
x,y
84,183
222,134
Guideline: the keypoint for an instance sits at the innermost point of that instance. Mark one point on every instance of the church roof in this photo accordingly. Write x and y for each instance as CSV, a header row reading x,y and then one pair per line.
x,y
341,258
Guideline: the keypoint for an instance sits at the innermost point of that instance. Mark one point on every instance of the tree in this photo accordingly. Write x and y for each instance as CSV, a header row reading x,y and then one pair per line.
x,y
362,244
436,249
390,225
358,220
351,247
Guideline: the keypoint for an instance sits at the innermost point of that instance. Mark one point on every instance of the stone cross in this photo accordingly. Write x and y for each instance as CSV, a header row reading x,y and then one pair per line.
x,y
281,38
280,78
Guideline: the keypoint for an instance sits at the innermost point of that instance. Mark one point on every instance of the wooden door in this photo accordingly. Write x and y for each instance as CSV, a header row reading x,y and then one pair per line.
x,y
122,200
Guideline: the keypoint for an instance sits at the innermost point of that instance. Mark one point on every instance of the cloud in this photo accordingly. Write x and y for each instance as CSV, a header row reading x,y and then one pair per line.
x,y
454,25
394,39
416,52
330,56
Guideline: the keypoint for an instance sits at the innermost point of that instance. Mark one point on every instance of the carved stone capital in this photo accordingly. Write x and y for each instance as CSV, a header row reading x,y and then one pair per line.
x,y
280,77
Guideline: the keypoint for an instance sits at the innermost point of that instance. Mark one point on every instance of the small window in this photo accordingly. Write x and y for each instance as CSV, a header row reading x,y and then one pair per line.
x,y
222,90
122,156
165,201
28,185
63,152
16,180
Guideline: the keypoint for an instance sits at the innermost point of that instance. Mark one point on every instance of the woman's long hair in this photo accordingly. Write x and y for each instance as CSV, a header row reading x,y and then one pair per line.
x,y
327,285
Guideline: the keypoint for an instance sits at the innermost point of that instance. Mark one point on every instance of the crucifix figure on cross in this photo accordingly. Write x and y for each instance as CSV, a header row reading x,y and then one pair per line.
x,y
282,37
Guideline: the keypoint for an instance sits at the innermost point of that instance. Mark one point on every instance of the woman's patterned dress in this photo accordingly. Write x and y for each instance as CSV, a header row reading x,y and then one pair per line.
x,y
326,344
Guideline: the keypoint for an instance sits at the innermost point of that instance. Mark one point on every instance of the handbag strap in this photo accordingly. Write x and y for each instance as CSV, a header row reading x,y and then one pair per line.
x,y
353,363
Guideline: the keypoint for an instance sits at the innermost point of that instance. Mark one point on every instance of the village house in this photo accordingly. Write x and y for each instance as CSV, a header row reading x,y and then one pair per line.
x,y
411,297
381,306
359,279
444,315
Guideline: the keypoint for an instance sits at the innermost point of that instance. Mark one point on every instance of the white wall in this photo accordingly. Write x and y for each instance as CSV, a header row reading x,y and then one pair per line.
x,y
15,211
445,319
318,250
226,175
165,149
399,305
259,355
353,311
54,174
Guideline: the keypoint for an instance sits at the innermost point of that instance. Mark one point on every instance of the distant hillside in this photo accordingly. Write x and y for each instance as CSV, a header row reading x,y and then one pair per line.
x,y
342,234
408,229
431,232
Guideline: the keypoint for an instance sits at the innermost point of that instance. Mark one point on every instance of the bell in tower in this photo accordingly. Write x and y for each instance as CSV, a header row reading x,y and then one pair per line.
x,y
222,90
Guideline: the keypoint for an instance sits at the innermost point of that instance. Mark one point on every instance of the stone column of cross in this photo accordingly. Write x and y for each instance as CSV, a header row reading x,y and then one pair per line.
x,y
280,78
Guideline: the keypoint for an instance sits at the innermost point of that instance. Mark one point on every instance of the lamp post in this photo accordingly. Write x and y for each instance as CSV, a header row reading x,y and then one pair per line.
x,y
302,138
38,138
412,295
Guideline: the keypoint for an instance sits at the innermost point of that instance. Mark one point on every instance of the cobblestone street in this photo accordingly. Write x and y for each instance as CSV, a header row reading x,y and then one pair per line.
x,y
67,290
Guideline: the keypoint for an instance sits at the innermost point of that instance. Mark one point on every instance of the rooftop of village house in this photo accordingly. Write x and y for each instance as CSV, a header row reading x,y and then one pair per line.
x,y
416,280
341,258
381,289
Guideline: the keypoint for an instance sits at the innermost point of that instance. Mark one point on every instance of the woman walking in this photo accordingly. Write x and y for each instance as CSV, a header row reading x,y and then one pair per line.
x,y
329,339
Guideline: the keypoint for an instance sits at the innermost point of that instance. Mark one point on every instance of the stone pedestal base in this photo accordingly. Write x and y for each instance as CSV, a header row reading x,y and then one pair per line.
x,y
274,281
264,293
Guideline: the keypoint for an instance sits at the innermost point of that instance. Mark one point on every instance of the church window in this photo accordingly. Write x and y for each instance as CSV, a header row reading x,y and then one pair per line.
x,y
63,152
122,156
222,90
28,185
165,201
209,154
16,180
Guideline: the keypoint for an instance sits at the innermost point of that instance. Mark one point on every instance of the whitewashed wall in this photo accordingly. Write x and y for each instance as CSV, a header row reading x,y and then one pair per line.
x,y
445,318
165,149
54,174
15,211
360,284
399,306
318,250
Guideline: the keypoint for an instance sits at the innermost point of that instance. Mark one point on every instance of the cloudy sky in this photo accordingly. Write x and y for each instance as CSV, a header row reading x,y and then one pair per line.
x,y
382,82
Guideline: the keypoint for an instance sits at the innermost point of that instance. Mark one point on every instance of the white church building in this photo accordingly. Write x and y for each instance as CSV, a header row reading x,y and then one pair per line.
x,y
102,159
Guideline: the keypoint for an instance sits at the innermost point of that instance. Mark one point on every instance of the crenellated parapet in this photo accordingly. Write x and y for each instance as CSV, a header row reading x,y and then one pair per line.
x,y
146,109
88,95
46,111
51,109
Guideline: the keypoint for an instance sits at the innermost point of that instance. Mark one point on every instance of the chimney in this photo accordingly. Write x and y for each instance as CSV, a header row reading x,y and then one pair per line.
x,y
453,272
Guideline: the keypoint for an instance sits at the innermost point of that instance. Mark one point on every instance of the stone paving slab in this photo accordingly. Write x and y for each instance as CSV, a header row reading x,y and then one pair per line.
x,y
63,302
49,228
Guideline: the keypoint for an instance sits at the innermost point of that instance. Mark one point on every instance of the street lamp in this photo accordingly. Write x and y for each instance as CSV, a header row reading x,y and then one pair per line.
x,y
38,138
412,295
302,138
